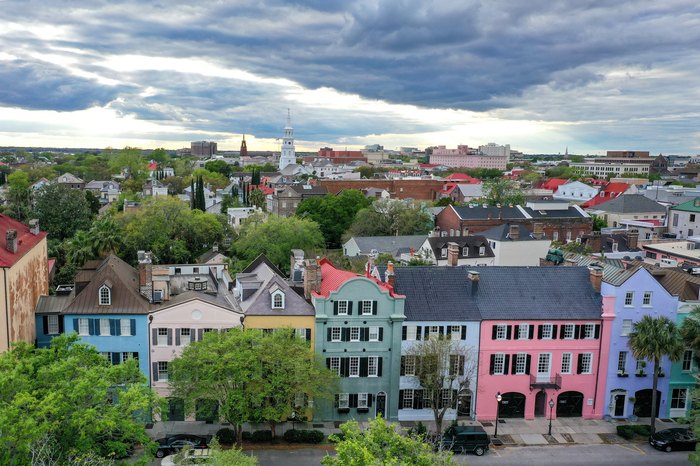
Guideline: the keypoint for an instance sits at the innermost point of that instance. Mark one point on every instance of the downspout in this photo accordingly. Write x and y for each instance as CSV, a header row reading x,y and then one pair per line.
x,y
597,372
478,361
7,306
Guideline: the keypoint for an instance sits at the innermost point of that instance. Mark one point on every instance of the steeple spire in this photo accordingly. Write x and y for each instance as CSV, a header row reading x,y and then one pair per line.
x,y
287,156
244,148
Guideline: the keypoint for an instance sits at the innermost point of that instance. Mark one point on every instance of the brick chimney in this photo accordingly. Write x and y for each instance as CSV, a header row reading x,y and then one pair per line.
x,y
145,268
312,277
452,254
596,276
538,230
514,232
34,226
632,239
11,240
389,277
474,278
594,241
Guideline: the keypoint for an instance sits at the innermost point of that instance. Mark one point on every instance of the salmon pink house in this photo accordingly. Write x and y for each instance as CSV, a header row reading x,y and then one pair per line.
x,y
542,339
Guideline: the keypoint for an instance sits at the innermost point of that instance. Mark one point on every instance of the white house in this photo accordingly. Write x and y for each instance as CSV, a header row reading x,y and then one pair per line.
x,y
516,245
237,215
575,191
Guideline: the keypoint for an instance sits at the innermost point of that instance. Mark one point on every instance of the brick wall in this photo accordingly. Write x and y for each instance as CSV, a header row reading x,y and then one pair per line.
x,y
422,190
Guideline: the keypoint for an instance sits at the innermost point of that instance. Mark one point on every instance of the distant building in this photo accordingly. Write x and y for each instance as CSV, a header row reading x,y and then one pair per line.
x,y
287,157
341,156
203,148
70,180
467,158
629,207
286,200
685,219
575,192
244,148
494,150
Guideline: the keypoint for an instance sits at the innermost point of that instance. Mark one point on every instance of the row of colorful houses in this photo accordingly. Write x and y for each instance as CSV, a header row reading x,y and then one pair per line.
x,y
530,334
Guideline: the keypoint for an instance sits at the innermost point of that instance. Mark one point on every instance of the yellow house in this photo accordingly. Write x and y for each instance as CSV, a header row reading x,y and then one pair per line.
x,y
24,278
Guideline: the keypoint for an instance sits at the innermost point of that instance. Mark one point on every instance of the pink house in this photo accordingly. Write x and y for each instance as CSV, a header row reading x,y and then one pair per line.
x,y
547,341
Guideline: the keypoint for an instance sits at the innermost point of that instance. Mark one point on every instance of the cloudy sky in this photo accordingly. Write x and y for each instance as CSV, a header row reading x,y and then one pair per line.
x,y
538,74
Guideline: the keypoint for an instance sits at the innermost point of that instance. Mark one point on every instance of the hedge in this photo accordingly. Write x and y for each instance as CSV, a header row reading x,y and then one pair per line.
x,y
226,436
628,431
304,436
261,436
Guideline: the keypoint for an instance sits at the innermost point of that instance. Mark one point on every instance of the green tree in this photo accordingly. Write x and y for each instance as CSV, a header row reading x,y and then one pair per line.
x,y
93,203
443,202
334,213
160,155
257,198
80,248
598,222
502,192
71,395
690,332
653,338
388,217
61,210
380,444
218,166
132,160
213,179
18,195
106,236
275,238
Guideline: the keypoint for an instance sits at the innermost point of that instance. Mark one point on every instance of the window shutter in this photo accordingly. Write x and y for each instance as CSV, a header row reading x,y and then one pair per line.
x,y
133,327
441,331
403,332
418,399
154,335
363,367
45,320
528,361
60,324
506,363
349,308
170,337
328,363
345,334
492,364
344,367
561,334
328,334
336,403
135,356
364,334
419,329
401,392
464,332
308,334
200,334
494,331
530,332
154,368
92,326
426,332
461,362
381,334
374,308
353,400
75,325
539,332
118,326
579,366
177,337
508,332
112,326
369,400
597,331
514,364
192,334
554,332
335,313
577,332
115,358
379,366
403,365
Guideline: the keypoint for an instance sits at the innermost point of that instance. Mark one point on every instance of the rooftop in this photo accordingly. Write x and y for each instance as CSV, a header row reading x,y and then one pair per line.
x,y
333,278
631,203
26,240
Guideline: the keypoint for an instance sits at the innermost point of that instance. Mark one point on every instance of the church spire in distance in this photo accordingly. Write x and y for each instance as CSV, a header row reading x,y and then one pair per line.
x,y
287,157
244,148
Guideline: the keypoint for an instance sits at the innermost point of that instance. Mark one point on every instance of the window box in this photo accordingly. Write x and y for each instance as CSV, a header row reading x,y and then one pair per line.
x,y
362,410
622,374
662,375
640,374
343,410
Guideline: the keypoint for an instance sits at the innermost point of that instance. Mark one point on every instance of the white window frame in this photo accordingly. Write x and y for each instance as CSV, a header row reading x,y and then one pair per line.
x,y
366,307
455,332
343,307
83,327
125,356
520,363
362,400
482,251
373,366
354,366
622,361
501,331
541,359
589,331
374,334
277,300
499,363
571,329
646,299
411,332
52,322
162,337
434,331
409,365
629,299
354,334
162,369
627,326
125,327
547,331
336,334
443,253
566,363
680,396
185,338
587,363
523,331
687,361
343,400
465,251
105,296
104,327
334,365
407,396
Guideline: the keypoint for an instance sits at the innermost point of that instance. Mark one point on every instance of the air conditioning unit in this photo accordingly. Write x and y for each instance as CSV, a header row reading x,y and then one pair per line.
x,y
157,296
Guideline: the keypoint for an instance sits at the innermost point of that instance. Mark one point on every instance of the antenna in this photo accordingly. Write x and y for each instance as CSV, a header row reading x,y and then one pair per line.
x,y
289,117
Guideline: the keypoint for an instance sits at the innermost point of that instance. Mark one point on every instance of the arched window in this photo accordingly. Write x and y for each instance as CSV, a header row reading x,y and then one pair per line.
x,y
105,296
277,300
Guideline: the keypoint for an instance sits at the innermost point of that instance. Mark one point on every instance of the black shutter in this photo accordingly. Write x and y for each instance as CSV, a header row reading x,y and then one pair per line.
x,y
328,363
494,331
45,320
369,400
118,326
417,399
508,332
154,368
115,358
597,331
177,337
60,324
579,366
364,334
419,329
336,403
514,365
328,334
403,365
426,332
363,367
563,331
577,331
170,337
91,326
401,393
350,308
381,334
379,366
135,356
441,331
554,332
75,325
344,367
403,333
345,334
539,332
492,364
335,313
374,308
192,334
154,337
528,361
200,333
460,362
308,334
506,364
133,327
464,332
112,326
531,332
353,400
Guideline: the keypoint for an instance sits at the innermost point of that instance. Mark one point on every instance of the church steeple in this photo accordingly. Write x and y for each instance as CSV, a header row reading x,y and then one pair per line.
x,y
287,157
244,148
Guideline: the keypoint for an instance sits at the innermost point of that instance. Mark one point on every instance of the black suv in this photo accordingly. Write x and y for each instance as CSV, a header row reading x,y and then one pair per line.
x,y
466,439
175,443
678,438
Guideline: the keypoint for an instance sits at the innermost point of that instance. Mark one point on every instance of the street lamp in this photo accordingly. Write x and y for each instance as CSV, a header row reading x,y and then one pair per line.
x,y
498,408
551,408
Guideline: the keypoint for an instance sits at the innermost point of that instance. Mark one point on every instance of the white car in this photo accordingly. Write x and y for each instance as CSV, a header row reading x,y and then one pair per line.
x,y
200,457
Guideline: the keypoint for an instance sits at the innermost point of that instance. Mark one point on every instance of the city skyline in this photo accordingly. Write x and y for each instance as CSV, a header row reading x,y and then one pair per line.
x,y
588,75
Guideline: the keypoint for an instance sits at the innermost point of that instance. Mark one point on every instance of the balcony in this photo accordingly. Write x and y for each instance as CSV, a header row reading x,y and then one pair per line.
x,y
545,381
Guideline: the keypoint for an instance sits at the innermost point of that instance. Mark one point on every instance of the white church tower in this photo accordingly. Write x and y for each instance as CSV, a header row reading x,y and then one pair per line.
x,y
287,156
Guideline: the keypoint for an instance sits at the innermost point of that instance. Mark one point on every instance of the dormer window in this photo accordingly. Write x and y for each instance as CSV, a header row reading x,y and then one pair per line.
x,y
105,296
277,300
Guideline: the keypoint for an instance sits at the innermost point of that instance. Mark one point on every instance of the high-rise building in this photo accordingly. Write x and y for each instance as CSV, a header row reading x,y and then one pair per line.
x,y
287,157
203,148
494,150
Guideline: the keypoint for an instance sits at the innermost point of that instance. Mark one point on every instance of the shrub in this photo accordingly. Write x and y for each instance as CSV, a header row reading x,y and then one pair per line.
x,y
304,436
292,436
226,436
262,436
336,437
626,432
643,430
246,436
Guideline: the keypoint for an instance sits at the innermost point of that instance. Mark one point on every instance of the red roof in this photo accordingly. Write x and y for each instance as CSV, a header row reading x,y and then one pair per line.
x,y
153,165
611,191
265,189
333,278
25,240
462,177
553,183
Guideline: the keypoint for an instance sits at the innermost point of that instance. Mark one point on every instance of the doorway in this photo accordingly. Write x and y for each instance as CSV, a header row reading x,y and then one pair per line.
x,y
642,403
619,404
540,403
512,405
381,405
570,404
464,405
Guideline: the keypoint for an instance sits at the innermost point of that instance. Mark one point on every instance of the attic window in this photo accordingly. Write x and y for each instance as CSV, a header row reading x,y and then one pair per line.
x,y
105,296
443,252
197,285
482,250
277,300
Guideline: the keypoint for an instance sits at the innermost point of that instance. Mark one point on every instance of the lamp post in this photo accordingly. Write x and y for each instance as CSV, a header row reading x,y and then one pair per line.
x,y
551,408
498,408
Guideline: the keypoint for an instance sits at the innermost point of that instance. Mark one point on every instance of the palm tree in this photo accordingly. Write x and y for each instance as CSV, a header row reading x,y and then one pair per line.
x,y
80,248
106,236
652,339
690,331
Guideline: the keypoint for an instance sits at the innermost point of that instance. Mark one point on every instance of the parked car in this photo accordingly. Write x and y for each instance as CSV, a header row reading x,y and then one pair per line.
x,y
193,457
466,439
679,438
175,443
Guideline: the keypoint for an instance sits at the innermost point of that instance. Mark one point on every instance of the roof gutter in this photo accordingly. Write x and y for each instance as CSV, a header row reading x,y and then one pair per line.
x,y
7,306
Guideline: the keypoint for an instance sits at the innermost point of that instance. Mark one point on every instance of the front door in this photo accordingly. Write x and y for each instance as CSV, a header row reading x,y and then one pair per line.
x,y
619,405
543,367
540,401
464,405
381,404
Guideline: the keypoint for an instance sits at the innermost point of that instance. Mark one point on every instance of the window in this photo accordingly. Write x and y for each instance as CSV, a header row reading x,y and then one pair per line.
x,y
362,400
373,366
334,365
566,363
354,367
374,334
455,332
482,250
185,336
465,251
126,356
626,327
687,360
278,300
456,364
105,296
446,397
335,333
443,253
366,307
163,371
523,331
621,361
104,327
434,332
520,360
343,400
499,363
692,217
53,325
83,327
641,365
555,236
543,363
409,365
162,337
125,327
407,401
411,331
678,398
629,297
547,331
568,331
342,308
585,364
355,334
646,301
589,331
501,332
195,270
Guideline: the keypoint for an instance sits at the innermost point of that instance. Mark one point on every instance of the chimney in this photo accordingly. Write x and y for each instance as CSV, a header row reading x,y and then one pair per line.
x,y
538,230
596,275
215,247
473,277
594,242
632,239
312,277
145,268
11,240
389,277
452,254
296,266
369,268
34,226
514,232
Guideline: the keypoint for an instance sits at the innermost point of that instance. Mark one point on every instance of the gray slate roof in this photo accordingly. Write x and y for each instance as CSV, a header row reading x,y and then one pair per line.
x,y
502,293
614,271
630,203
500,233
390,244
472,243
480,212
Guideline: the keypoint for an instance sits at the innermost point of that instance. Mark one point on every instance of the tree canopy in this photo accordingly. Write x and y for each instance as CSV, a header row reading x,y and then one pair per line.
x,y
388,217
61,210
503,192
333,213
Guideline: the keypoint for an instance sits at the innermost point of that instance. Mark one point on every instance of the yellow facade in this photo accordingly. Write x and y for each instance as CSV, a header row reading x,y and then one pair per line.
x,y
282,322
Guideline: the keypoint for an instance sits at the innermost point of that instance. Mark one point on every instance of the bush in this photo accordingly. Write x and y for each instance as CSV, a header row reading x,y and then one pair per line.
x,y
261,436
626,432
226,436
246,436
643,430
292,436
304,436
336,437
